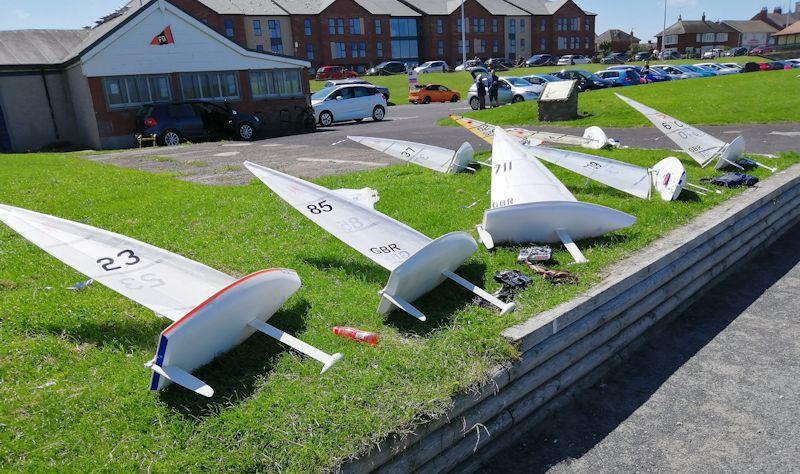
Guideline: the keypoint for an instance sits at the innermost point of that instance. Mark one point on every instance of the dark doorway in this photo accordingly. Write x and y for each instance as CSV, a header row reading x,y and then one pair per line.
x,y
5,138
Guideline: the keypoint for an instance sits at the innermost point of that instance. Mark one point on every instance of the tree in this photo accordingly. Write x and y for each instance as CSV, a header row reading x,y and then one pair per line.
x,y
605,48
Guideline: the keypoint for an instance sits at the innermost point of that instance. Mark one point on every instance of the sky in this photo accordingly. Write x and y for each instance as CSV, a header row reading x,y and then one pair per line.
x,y
644,17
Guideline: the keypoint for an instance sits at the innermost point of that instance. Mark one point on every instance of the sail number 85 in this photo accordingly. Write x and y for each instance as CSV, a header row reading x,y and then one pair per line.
x,y
320,207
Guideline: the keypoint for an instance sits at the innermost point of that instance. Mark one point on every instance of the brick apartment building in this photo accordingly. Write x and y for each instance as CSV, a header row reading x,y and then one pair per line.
x,y
697,37
362,33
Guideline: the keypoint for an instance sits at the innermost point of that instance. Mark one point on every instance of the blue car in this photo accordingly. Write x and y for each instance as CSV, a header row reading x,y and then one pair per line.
x,y
654,75
621,77
696,71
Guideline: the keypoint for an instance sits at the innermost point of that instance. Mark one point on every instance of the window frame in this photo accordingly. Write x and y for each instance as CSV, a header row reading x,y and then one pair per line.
x,y
269,75
218,75
257,27
128,103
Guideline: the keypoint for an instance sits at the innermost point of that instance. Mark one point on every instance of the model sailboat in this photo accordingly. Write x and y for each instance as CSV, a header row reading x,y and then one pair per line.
x,y
212,311
667,176
417,263
529,204
702,147
594,138
432,157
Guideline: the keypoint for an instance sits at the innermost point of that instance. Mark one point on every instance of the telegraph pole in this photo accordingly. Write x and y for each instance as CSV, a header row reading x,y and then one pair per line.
x,y
664,31
463,36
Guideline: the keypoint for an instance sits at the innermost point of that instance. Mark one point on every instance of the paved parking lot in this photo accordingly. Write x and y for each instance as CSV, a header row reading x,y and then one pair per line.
x,y
329,152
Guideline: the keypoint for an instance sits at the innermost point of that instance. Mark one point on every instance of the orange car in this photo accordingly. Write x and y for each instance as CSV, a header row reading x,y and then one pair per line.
x,y
433,93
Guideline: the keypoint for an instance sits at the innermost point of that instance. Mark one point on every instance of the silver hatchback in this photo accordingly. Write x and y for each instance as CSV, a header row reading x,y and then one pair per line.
x,y
511,91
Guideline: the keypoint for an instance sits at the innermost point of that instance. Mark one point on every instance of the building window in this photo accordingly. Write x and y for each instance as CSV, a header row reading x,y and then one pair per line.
x,y
307,26
309,51
379,49
355,26
403,27
461,49
722,37
440,48
512,27
335,26
522,23
378,28
481,46
543,24
459,26
358,49
587,25
132,91
340,26
576,24
562,43
495,46
542,44
706,37
275,40
671,39
209,85
478,25
576,42
522,44
331,26
586,42
495,25
260,48
439,26
338,50
257,27
512,46
405,49
228,27
276,83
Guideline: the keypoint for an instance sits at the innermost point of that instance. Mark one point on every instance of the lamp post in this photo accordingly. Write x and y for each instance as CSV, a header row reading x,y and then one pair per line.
x,y
664,31
463,36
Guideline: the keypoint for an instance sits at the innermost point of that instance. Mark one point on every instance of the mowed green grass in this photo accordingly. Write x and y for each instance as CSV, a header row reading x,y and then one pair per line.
x,y
461,81
762,97
73,392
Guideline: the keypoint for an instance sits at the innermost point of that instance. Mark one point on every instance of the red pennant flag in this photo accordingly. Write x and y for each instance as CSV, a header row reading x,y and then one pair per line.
x,y
165,37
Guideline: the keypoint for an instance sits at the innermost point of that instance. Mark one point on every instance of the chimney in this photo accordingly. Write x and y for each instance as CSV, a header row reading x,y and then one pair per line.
x,y
704,16
764,9
777,10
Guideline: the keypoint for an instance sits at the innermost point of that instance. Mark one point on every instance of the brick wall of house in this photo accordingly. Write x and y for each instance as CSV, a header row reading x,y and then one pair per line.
x,y
584,33
473,10
214,20
689,41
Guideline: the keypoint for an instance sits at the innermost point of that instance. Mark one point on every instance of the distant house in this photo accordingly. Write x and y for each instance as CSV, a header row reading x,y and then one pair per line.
x,y
619,40
753,33
697,37
779,19
789,37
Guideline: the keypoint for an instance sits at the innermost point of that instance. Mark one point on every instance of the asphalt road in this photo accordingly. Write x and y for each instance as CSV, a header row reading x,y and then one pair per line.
x,y
329,152
716,390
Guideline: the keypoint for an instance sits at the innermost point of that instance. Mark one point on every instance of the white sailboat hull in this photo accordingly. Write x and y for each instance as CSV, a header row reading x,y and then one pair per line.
x,y
541,222
425,270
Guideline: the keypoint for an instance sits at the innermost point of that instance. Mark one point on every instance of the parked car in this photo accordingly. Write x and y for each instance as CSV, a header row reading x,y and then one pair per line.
x,y
673,72
469,64
339,82
669,55
512,90
433,93
796,62
761,50
586,80
702,71
780,65
621,77
643,56
541,60
334,72
740,51
499,64
615,58
541,79
432,66
733,65
387,68
348,102
764,66
751,67
713,53
653,75
572,59
175,122
719,68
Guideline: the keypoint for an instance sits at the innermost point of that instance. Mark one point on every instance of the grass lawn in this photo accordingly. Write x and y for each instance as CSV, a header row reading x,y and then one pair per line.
x,y
770,97
461,81
73,392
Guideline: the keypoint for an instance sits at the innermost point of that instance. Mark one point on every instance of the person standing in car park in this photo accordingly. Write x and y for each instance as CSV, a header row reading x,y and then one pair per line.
x,y
481,92
494,85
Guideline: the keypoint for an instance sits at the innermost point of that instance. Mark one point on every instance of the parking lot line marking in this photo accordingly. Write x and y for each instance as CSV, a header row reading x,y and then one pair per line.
x,y
296,146
732,131
326,160
786,134
273,144
462,108
228,153
403,118
237,144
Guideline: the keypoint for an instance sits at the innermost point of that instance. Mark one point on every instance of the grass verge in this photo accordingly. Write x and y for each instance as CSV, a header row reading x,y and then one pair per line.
x,y
73,393
709,101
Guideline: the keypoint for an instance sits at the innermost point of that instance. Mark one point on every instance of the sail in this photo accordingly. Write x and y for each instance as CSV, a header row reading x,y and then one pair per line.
x,y
429,156
701,146
518,178
482,130
486,132
619,175
367,197
377,236
162,281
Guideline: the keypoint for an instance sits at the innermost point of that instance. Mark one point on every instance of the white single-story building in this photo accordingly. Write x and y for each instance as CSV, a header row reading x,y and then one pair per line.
x,y
84,87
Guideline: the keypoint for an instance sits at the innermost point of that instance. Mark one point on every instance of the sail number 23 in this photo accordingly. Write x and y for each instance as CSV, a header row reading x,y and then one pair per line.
x,y
109,264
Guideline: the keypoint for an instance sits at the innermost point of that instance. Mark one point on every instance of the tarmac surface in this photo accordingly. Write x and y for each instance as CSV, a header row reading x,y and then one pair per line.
x,y
716,390
329,152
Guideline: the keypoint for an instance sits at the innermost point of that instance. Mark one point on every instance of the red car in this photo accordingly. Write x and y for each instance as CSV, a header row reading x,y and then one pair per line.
x,y
763,67
763,50
326,73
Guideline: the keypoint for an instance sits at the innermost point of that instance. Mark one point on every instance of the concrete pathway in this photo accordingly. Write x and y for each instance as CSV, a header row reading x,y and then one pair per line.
x,y
717,390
